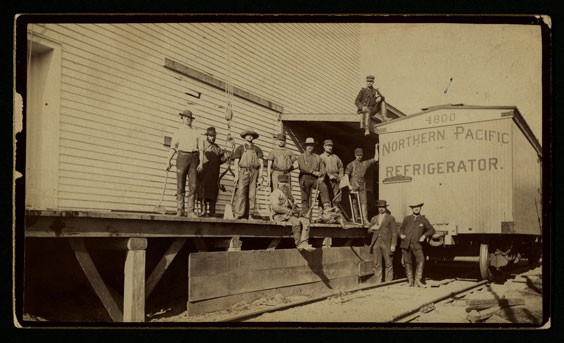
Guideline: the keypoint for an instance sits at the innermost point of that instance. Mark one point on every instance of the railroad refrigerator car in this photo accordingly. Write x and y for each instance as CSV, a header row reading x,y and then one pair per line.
x,y
477,169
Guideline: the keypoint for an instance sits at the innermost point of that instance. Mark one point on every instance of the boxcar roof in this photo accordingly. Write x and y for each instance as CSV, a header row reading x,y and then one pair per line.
x,y
516,114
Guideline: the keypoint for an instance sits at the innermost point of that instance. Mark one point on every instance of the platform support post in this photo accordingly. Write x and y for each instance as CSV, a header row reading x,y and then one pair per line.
x,y
134,281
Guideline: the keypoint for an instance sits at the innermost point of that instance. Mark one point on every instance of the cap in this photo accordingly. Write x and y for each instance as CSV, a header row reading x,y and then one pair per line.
x,y
381,203
328,142
358,151
210,131
370,78
310,140
280,136
187,113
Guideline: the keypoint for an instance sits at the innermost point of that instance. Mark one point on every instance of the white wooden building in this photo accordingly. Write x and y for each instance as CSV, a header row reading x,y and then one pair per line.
x,y
103,98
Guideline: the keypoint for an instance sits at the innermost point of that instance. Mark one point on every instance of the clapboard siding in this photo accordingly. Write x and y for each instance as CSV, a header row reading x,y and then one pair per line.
x,y
118,100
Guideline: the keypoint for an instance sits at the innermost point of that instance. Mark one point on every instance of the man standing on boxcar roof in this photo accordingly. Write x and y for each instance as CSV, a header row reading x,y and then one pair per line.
x,y
249,166
187,143
356,170
280,161
384,238
414,230
208,179
368,102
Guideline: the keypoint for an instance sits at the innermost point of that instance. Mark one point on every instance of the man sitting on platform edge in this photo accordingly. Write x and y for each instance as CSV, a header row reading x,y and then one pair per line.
x,y
284,210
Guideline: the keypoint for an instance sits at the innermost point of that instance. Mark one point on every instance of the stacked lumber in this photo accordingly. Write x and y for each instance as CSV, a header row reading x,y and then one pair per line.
x,y
480,310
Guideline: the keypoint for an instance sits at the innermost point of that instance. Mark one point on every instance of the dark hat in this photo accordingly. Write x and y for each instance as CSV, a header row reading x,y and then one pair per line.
x,y
358,151
328,142
211,131
416,204
381,203
280,136
310,141
283,178
187,113
370,78
249,132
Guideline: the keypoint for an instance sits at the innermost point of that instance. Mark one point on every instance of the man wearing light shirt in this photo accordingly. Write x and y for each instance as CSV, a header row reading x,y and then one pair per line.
x,y
186,142
334,170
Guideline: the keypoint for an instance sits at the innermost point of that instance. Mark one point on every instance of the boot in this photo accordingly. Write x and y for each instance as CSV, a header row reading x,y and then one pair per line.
x,y
419,275
304,245
366,124
212,208
180,205
409,274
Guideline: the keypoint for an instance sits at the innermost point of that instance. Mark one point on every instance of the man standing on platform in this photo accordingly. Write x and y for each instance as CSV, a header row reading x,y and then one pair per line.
x,y
414,230
368,102
284,210
334,170
312,173
280,161
187,143
208,186
356,170
248,171
384,231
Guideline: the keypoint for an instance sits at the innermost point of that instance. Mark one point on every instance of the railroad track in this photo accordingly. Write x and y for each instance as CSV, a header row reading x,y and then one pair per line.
x,y
403,304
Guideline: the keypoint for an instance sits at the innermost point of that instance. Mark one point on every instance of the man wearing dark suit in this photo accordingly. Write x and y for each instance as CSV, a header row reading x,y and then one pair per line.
x,y
384,238
368,102
414,230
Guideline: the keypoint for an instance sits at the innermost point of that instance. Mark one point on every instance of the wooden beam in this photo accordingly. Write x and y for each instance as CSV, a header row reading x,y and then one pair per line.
x,y
215,82
348,242
235,244
95,279
163,265
170,226
134,281
273,244
321,117
119,244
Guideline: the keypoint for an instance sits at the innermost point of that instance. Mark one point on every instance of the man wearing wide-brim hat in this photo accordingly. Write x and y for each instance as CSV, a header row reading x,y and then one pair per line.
x,y
248,171
187,143
280,161
384,231
413,231
368,102
312,173
208,186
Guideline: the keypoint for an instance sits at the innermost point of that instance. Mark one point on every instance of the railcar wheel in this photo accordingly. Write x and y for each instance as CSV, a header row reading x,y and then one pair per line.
x,y
484,263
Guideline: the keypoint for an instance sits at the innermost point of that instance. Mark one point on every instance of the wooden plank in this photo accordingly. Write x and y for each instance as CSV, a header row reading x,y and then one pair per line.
x,y
236,282
163,265
321,117
118,244
134,282
165,226
210,80
316,288
478,316
202,264
273,244
95,279
476,304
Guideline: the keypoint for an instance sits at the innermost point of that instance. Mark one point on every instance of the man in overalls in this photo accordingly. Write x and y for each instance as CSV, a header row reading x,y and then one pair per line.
x,y
187,143
248,171
312,173
280,161
284,210
368,102
414,230
356,170
208,185
334,170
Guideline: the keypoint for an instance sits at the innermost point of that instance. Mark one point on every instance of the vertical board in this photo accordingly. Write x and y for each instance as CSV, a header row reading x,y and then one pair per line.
x,y
527,207
461,171
118,100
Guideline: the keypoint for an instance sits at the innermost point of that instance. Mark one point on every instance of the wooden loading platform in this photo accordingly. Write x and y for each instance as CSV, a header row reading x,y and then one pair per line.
x,y
227,266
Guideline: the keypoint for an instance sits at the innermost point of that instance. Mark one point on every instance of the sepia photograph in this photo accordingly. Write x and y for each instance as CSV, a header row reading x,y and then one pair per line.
x,y
279,171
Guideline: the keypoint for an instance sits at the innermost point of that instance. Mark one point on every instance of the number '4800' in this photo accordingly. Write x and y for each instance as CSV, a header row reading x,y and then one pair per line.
x,y
441,118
